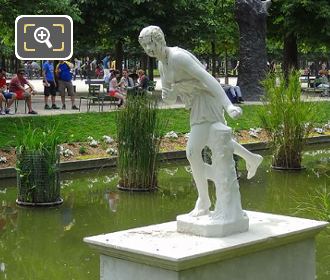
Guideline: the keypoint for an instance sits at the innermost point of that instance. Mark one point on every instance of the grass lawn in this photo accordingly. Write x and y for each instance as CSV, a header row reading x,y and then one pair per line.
x,y
77,127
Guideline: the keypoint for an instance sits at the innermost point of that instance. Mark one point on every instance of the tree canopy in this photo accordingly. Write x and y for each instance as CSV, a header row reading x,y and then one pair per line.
x,y
202,26
299,25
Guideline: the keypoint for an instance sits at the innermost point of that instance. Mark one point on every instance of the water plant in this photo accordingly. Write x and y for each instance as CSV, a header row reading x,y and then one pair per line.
x,y
286,118
37,165
316,204
139,133
82,150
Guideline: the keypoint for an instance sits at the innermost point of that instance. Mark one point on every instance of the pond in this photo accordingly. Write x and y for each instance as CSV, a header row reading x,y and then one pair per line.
x,y
47,243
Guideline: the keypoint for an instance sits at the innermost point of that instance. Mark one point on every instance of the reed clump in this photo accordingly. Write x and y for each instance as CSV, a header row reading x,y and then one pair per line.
x,y
139,133
37,165
286,118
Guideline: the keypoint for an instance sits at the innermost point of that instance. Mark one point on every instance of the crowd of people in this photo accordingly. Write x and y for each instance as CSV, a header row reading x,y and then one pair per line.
x,y
58,81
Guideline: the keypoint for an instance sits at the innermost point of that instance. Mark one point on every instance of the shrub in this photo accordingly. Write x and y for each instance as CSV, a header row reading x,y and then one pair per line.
x,y
82,150
38,165
139,132
286,118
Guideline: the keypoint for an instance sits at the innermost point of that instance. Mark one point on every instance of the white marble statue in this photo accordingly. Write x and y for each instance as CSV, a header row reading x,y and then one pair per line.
x,y
183,75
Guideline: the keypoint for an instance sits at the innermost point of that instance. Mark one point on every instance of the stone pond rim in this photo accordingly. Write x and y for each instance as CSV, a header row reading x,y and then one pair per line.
x,y
68,166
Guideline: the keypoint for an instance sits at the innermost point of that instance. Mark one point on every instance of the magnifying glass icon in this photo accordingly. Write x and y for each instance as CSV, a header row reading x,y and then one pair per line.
x,y
41,35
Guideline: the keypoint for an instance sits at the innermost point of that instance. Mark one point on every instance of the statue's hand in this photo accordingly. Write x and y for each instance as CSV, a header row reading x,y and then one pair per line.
x,y
166,92
234,111
168,95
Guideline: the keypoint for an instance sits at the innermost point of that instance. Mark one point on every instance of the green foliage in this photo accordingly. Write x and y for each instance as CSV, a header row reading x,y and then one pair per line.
x,y
286,118
11,9
82,150
38,165
139,137
220,27
316,204
307,19
77,127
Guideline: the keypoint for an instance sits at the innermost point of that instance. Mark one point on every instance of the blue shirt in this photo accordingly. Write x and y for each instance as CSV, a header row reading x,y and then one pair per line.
x,y
48,68
64,72
105,62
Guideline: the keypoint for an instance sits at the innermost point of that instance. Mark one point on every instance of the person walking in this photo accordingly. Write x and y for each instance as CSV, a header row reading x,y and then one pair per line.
x,y
63,72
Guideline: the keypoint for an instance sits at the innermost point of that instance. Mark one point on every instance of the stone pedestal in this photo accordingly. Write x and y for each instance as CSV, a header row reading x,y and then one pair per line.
x,y
275,247
206,226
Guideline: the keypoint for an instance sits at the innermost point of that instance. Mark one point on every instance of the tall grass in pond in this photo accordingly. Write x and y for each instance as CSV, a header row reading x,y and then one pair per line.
x,y
316,204
286,118
139,133
38,165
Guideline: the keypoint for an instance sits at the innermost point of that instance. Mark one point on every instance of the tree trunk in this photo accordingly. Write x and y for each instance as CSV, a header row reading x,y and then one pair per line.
x,y
144,62
119,56
16,64
12,64
226,67
290,53
3,61
251,16
214,59
151,62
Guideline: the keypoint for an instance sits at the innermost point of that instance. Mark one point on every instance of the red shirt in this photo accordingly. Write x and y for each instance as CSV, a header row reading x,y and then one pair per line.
x,y
2,82
16,82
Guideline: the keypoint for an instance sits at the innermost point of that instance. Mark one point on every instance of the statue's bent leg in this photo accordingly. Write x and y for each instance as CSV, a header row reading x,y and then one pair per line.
x,y
197,141
252,160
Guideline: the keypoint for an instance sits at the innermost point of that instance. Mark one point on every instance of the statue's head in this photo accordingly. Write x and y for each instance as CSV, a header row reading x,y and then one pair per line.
x,y
152,40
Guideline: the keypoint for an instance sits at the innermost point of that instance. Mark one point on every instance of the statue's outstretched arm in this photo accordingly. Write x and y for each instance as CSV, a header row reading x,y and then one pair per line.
x,y
189,64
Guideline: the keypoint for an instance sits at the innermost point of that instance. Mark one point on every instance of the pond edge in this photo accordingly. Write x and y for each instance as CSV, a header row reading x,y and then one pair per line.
x,y
76,165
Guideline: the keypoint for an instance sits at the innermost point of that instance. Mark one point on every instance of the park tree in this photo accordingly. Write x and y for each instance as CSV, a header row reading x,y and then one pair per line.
x,y
115,25
110,26
299,24
219,36
11,9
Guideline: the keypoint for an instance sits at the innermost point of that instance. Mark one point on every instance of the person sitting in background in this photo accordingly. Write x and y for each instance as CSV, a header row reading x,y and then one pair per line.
x,y
322,81
143,80
5,95
17,85
233,92
126,82
114,88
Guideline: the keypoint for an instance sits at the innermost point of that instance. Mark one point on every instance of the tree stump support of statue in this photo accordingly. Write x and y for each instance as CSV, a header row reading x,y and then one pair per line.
x,y
228,217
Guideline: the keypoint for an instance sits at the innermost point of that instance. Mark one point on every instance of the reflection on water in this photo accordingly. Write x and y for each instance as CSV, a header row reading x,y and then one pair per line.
x,y
46,243
112,198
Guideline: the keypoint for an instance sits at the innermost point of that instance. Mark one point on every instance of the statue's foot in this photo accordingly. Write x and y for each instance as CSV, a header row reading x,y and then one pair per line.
x,y
199,212
201,208
253,165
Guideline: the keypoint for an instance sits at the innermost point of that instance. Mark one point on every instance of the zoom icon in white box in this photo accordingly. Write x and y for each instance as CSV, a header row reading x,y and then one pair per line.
x,y
43,37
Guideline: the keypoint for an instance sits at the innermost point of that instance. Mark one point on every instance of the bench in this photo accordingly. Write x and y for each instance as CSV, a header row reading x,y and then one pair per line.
x,y
315,91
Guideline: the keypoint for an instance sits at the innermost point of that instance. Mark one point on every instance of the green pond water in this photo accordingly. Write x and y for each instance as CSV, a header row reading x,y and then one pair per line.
x,y
37,244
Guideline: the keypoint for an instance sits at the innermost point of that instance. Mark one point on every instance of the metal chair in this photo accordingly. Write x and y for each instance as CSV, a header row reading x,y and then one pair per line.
x,y
16,104
106,98
94,95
